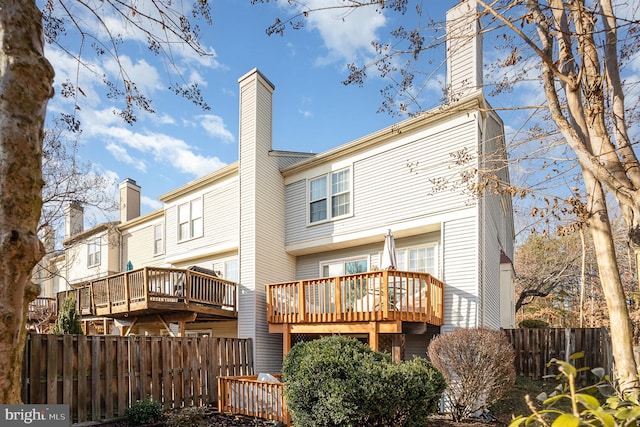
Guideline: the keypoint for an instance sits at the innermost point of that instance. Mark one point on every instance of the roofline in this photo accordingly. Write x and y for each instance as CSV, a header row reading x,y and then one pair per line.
x,y
142,218
93,230
473,101
199,183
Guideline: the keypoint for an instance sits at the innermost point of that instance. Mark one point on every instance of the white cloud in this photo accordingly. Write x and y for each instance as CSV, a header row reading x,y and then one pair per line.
x,y
120,154
214,126
152,204
347,33
144,75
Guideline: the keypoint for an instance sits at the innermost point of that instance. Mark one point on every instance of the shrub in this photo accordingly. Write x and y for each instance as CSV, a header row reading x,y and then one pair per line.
x,y
533,323
187,417
477,364
68,321
339,381
585,407
145,411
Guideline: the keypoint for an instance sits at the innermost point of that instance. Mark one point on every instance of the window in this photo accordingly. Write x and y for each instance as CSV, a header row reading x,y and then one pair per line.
x,y
190,220
158,241
344,267
330,196
231,270
418,259
93,253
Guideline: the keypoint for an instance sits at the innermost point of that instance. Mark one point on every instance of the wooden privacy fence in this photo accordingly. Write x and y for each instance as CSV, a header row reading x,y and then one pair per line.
x,y
534,348
100,376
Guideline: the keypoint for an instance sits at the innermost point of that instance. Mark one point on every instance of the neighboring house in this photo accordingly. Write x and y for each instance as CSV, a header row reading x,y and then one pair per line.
x,y
282,218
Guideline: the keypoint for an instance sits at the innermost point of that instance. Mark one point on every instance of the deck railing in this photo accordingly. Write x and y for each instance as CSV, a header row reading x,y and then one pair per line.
x,y
371,296
248,396
137,289
42,307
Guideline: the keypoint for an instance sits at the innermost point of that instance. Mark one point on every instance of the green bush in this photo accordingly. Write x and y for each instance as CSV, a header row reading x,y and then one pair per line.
x,y
339,381
478,366
68,321
533,323
187,417
585,406
145,411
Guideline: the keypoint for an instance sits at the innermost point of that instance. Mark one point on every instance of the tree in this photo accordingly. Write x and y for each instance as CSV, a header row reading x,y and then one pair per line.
x,y
68,321
576,50
26,84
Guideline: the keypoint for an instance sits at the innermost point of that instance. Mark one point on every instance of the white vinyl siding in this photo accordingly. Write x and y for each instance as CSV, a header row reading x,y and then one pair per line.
x,y
386,190
190,219
330,196
460,255
93,252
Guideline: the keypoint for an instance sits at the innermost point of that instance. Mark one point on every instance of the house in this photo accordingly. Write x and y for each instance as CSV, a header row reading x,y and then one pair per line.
x,y
298,237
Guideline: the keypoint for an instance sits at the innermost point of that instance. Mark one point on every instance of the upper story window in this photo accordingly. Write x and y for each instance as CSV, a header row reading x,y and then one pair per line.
x,y
422,259
158,239
93,252
330,196
190,219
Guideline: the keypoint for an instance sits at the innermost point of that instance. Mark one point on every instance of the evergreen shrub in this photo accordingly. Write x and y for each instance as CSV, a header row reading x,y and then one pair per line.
x,y
339,381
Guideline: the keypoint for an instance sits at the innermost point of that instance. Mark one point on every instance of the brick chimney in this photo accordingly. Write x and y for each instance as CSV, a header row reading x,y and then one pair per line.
x,y
129,200
464,50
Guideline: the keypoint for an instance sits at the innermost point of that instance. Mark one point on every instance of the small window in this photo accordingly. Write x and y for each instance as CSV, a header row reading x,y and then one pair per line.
x,y
330,196
93,253
190,220
158,239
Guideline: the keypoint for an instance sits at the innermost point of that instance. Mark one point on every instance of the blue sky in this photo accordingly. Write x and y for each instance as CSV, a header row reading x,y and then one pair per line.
x,y
313,110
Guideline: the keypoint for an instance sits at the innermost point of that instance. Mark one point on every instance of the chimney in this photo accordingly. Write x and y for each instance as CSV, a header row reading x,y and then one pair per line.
x,y
464,50
48,239
73,219
129,200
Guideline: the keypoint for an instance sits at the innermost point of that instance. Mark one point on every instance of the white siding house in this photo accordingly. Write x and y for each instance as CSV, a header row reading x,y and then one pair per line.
x,y
278,216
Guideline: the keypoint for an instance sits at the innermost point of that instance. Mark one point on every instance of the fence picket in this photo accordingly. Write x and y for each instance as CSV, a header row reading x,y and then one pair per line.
x,y
100,376
534,348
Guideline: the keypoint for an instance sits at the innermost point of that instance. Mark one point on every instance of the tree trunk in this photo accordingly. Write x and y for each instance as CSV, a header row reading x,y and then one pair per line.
x,y
621,334
26,79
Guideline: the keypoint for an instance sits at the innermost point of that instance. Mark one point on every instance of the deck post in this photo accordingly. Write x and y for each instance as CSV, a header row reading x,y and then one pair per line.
x,y
146,285
127,293
338,298
384,294
301,302
286,340
108,293
373,336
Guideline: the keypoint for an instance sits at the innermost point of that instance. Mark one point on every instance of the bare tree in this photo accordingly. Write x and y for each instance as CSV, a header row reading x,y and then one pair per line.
x,y
575,50
26,83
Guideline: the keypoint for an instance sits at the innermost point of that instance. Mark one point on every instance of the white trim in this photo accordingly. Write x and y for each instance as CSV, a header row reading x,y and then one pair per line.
x,y
202,253
192,234
423,224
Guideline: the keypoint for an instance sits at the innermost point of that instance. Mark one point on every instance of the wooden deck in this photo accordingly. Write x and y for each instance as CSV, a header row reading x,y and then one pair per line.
x,y
41,314
365,303
152,291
